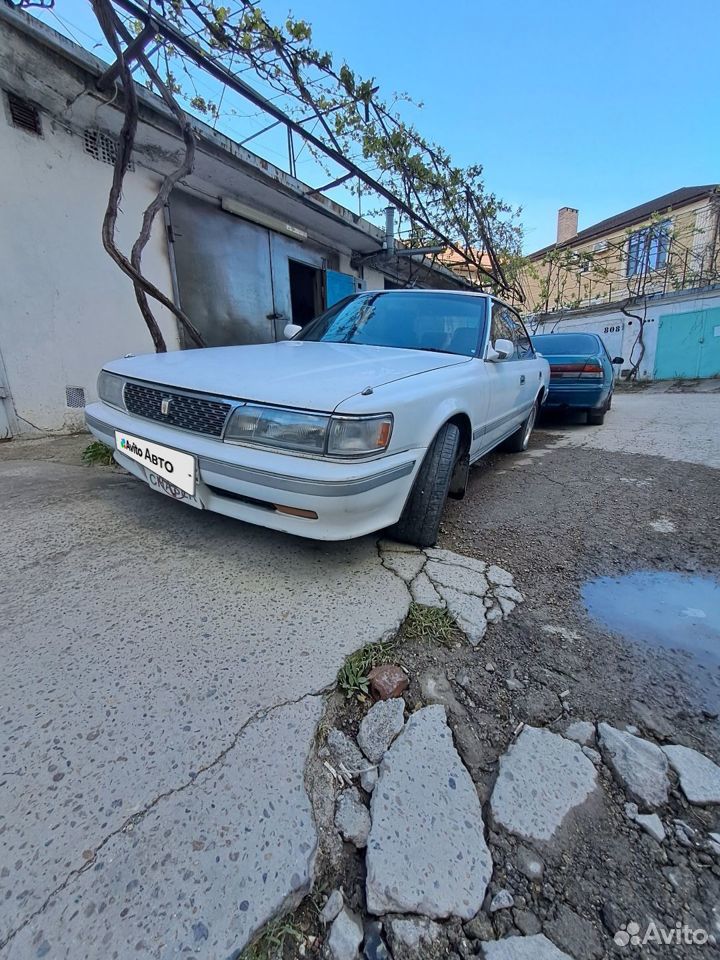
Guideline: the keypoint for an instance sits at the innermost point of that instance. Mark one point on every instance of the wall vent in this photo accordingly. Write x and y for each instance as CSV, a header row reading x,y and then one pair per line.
x,y
102,147
74,397
23,114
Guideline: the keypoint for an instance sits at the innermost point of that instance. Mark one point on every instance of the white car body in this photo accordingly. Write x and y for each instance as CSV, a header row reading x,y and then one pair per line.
x,y
487,397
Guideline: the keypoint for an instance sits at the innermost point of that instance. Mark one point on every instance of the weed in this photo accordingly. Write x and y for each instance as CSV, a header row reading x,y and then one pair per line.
x,y
353,676
271,944
97,454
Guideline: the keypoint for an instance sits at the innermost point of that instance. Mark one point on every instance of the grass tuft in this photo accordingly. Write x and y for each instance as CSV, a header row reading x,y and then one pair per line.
x,y
97,454
430,623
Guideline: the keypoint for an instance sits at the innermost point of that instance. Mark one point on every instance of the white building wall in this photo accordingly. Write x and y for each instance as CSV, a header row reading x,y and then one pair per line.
x,y
65,307
620,332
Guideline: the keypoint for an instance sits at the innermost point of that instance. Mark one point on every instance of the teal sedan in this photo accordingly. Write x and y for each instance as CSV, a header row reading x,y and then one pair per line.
x,y
581,372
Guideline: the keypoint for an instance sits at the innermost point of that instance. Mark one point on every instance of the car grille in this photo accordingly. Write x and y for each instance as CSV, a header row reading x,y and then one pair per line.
x,y
197,414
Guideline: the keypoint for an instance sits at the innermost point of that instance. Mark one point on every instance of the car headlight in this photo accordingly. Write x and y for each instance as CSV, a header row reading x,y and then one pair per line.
x,y
110,389
278,428
359,436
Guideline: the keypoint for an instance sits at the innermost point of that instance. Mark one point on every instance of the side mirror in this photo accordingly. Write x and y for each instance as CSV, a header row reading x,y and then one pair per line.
x,y
618,360
500,350
291,330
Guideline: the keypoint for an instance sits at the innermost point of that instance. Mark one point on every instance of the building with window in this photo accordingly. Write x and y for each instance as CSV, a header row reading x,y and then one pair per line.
x,y
647,280
243,247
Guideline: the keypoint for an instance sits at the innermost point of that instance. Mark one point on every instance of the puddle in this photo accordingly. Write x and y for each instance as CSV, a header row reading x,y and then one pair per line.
x,y
673,611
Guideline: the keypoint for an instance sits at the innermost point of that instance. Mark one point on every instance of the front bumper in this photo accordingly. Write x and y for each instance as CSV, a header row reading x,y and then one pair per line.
x,y
350,498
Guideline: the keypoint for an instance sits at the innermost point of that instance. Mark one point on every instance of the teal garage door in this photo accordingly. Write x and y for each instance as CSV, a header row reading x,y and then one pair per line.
x,y
688,345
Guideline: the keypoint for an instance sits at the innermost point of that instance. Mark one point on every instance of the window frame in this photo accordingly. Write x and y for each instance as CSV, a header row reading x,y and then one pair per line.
x,y
641,242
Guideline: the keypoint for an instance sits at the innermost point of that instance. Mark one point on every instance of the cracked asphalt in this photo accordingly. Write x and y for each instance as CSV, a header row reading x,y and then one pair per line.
x,y
159,695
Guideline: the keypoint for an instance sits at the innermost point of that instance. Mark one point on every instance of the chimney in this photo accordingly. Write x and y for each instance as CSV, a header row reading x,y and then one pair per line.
x,y
567,224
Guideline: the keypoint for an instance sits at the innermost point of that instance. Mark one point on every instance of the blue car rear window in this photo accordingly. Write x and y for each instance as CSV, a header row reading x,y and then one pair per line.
x,y
552,344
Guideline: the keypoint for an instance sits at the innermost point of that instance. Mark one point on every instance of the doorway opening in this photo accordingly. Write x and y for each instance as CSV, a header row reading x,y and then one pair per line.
x,y
306,289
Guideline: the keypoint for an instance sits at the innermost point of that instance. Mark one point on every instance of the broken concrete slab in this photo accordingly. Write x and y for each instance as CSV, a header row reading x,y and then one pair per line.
x,y
639,766
652,825
457,578
456,559
541,779
352,819
468,610
699,776
426,850
223,855
537,947
379,727
424,592
405,565
407,935
496,575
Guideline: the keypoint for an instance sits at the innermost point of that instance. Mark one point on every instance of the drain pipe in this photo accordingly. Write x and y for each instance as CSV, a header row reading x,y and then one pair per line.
x,y
390,230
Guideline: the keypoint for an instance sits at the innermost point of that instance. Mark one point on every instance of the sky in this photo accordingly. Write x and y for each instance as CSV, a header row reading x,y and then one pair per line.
x,y
599,106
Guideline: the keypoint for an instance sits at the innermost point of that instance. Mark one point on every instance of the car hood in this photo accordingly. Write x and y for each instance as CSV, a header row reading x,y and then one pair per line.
x,y
291,373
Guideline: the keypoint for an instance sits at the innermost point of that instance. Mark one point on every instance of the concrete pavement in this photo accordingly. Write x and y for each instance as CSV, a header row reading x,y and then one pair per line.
x,y
159,697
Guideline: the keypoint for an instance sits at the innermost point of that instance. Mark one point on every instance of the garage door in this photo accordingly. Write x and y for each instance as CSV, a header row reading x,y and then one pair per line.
x,y
688,345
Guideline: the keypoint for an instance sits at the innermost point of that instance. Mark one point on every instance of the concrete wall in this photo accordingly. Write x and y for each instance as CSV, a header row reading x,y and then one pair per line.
x,y
65,308
620,332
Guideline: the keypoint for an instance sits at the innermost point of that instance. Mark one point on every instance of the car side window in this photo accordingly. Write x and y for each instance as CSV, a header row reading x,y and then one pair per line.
x,y
505,324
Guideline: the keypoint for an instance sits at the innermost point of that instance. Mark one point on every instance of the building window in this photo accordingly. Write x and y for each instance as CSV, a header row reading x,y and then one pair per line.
x,y
648,248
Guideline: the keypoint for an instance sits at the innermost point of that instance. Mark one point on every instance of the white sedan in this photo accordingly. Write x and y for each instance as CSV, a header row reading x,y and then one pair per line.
x,y
369,417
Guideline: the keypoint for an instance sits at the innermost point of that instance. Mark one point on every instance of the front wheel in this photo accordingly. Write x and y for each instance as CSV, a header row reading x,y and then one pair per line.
x,y
420,520
519,440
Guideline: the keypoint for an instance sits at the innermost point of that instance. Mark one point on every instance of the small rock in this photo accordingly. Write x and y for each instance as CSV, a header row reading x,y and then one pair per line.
x,y
502,900
539,706
682,881
714,843
513,684
699,776
524,948
490,666
368,779
575,934
631,810
435,688
499,576
346,935
406,936
526,922
529,864
683,835
480,928
639,766
387,682
352,818
345,752
374,946
592,755
582,732
651,824
423,592
333,906
379,727
631,728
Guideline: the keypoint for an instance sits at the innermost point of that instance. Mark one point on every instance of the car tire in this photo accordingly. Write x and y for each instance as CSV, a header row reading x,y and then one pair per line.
x,y
518,441
596,417
420,520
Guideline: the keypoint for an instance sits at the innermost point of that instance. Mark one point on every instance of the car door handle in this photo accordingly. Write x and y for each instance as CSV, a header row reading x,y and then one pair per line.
x,y
522,378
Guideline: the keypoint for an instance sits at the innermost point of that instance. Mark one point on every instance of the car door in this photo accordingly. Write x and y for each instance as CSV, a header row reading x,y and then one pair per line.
x,y
510,381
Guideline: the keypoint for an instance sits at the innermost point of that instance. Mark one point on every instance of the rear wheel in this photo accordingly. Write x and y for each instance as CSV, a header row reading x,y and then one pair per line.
x,y
596,417
519,440
420,520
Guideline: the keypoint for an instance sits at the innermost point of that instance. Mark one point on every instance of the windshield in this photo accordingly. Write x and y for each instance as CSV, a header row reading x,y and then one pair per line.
x,y
554,344
439,322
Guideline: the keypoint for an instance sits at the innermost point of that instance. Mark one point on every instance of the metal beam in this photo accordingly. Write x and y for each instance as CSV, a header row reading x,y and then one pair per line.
x,y
132,52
